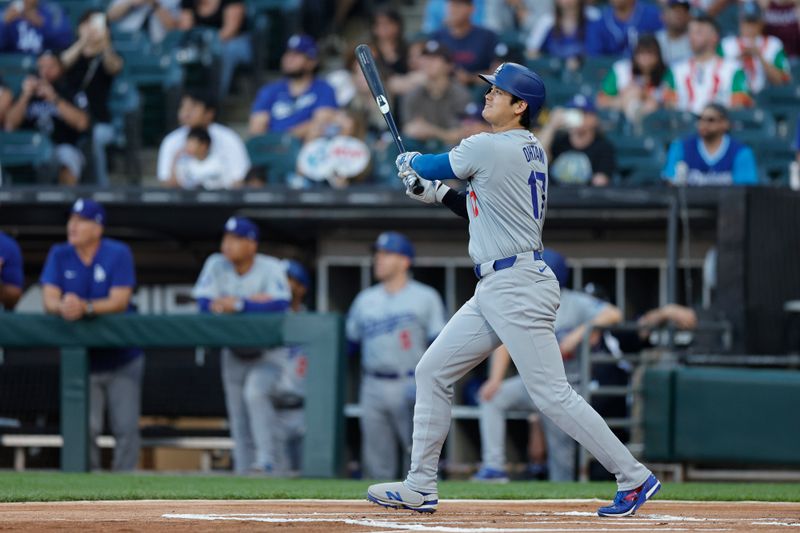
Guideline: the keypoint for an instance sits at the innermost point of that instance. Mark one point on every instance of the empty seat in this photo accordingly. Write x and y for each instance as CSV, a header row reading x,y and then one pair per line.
x,y
277,152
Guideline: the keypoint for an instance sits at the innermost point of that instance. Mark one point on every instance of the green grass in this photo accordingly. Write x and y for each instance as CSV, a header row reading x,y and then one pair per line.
x,y
54,486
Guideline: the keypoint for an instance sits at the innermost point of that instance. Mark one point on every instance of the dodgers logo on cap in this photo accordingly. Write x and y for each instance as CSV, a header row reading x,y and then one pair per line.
x,y
242,227
90,210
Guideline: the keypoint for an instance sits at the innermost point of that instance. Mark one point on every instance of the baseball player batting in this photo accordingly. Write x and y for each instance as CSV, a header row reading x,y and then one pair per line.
x,y
515,300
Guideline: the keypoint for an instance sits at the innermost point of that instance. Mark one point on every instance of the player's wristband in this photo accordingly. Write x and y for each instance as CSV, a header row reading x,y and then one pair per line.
x,y
441,190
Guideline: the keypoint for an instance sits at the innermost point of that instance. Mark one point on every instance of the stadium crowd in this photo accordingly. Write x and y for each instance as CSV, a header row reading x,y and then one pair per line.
x,y
629,85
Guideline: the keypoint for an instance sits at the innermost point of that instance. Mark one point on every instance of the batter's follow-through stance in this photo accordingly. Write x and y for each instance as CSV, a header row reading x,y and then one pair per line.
x,y
515,300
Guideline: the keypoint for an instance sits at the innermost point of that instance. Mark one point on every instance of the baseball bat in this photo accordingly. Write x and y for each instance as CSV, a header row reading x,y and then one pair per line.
x,y
370,71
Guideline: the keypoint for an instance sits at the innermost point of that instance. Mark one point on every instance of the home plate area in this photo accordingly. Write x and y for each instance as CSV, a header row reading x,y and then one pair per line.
x,y
455,516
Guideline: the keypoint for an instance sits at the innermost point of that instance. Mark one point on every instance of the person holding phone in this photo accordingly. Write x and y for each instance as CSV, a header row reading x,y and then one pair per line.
x,y
91,65
33,26
578,152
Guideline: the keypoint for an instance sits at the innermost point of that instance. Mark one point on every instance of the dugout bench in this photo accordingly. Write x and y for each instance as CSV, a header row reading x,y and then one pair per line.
x,y
321,334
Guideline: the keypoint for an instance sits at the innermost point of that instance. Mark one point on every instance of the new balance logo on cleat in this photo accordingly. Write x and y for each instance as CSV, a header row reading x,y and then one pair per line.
x,y
398,496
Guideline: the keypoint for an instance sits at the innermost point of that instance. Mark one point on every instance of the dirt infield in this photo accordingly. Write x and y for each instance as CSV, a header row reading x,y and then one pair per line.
x,y
457,516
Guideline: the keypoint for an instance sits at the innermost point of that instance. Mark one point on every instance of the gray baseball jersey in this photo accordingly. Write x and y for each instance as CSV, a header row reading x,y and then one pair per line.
x,y
506,201
267,276
395,329
515,306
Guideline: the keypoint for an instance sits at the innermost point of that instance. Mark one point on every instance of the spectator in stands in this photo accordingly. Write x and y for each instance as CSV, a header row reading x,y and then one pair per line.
x,y
782,20
198,110
578,151
6,99
471,46
157,17
33,26
674,37
48,103
295,103
391,52
634,86
290,395
562,35
619,27
435,15
240,280
12,277
87,276
512,16
433,111
712,156
761,57
577,313
705,77
90,65
196,167
229,17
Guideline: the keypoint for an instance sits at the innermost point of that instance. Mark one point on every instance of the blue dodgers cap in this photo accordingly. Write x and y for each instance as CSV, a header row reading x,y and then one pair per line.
x,y
303,44
296,271
582,102
243,227
90,210
750,12
557,264
394,242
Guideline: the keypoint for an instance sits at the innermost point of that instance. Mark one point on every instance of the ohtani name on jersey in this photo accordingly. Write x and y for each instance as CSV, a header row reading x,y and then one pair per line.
x,y
532,152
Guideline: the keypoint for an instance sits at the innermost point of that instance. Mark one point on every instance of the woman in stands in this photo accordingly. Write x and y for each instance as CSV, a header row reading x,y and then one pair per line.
x,y
633,86
562,35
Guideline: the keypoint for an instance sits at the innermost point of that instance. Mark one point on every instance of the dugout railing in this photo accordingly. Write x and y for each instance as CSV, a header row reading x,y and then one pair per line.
x,y
662,351
321,335
702,413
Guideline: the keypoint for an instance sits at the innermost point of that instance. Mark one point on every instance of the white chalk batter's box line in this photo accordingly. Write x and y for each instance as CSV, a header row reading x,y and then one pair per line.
x,y
410,523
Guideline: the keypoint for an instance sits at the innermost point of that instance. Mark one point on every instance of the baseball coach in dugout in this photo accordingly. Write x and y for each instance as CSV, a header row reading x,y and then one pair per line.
x,y
515,301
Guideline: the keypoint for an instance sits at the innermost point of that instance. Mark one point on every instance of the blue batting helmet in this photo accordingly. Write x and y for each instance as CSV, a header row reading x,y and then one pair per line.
x,y
557,264
521,82
394,242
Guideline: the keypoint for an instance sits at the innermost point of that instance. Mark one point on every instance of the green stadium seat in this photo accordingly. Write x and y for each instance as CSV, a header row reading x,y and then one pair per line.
x,y
130,43
547,67
666,125
752,120
773,161
124,104
159,80
21,153
17,64
782,101
594,70
638,158
277,152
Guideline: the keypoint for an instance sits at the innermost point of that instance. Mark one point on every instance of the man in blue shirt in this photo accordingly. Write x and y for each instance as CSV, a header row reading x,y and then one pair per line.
x,y
31,27
11,276
300,100
471,47
91,275
619,27
240,280
711,157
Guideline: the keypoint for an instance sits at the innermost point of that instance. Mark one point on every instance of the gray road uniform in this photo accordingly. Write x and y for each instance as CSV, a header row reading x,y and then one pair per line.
x,y
288,399
394,330
515,304
576,308
249,376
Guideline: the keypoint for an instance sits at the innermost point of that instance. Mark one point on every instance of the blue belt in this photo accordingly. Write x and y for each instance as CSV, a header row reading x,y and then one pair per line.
x,y
484,269
388,375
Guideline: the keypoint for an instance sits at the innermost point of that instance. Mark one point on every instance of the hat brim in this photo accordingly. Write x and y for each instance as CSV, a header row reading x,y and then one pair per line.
x,y
488,78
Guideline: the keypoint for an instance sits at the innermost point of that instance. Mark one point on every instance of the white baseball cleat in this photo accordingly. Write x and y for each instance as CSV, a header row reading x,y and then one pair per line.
x,y
397,496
